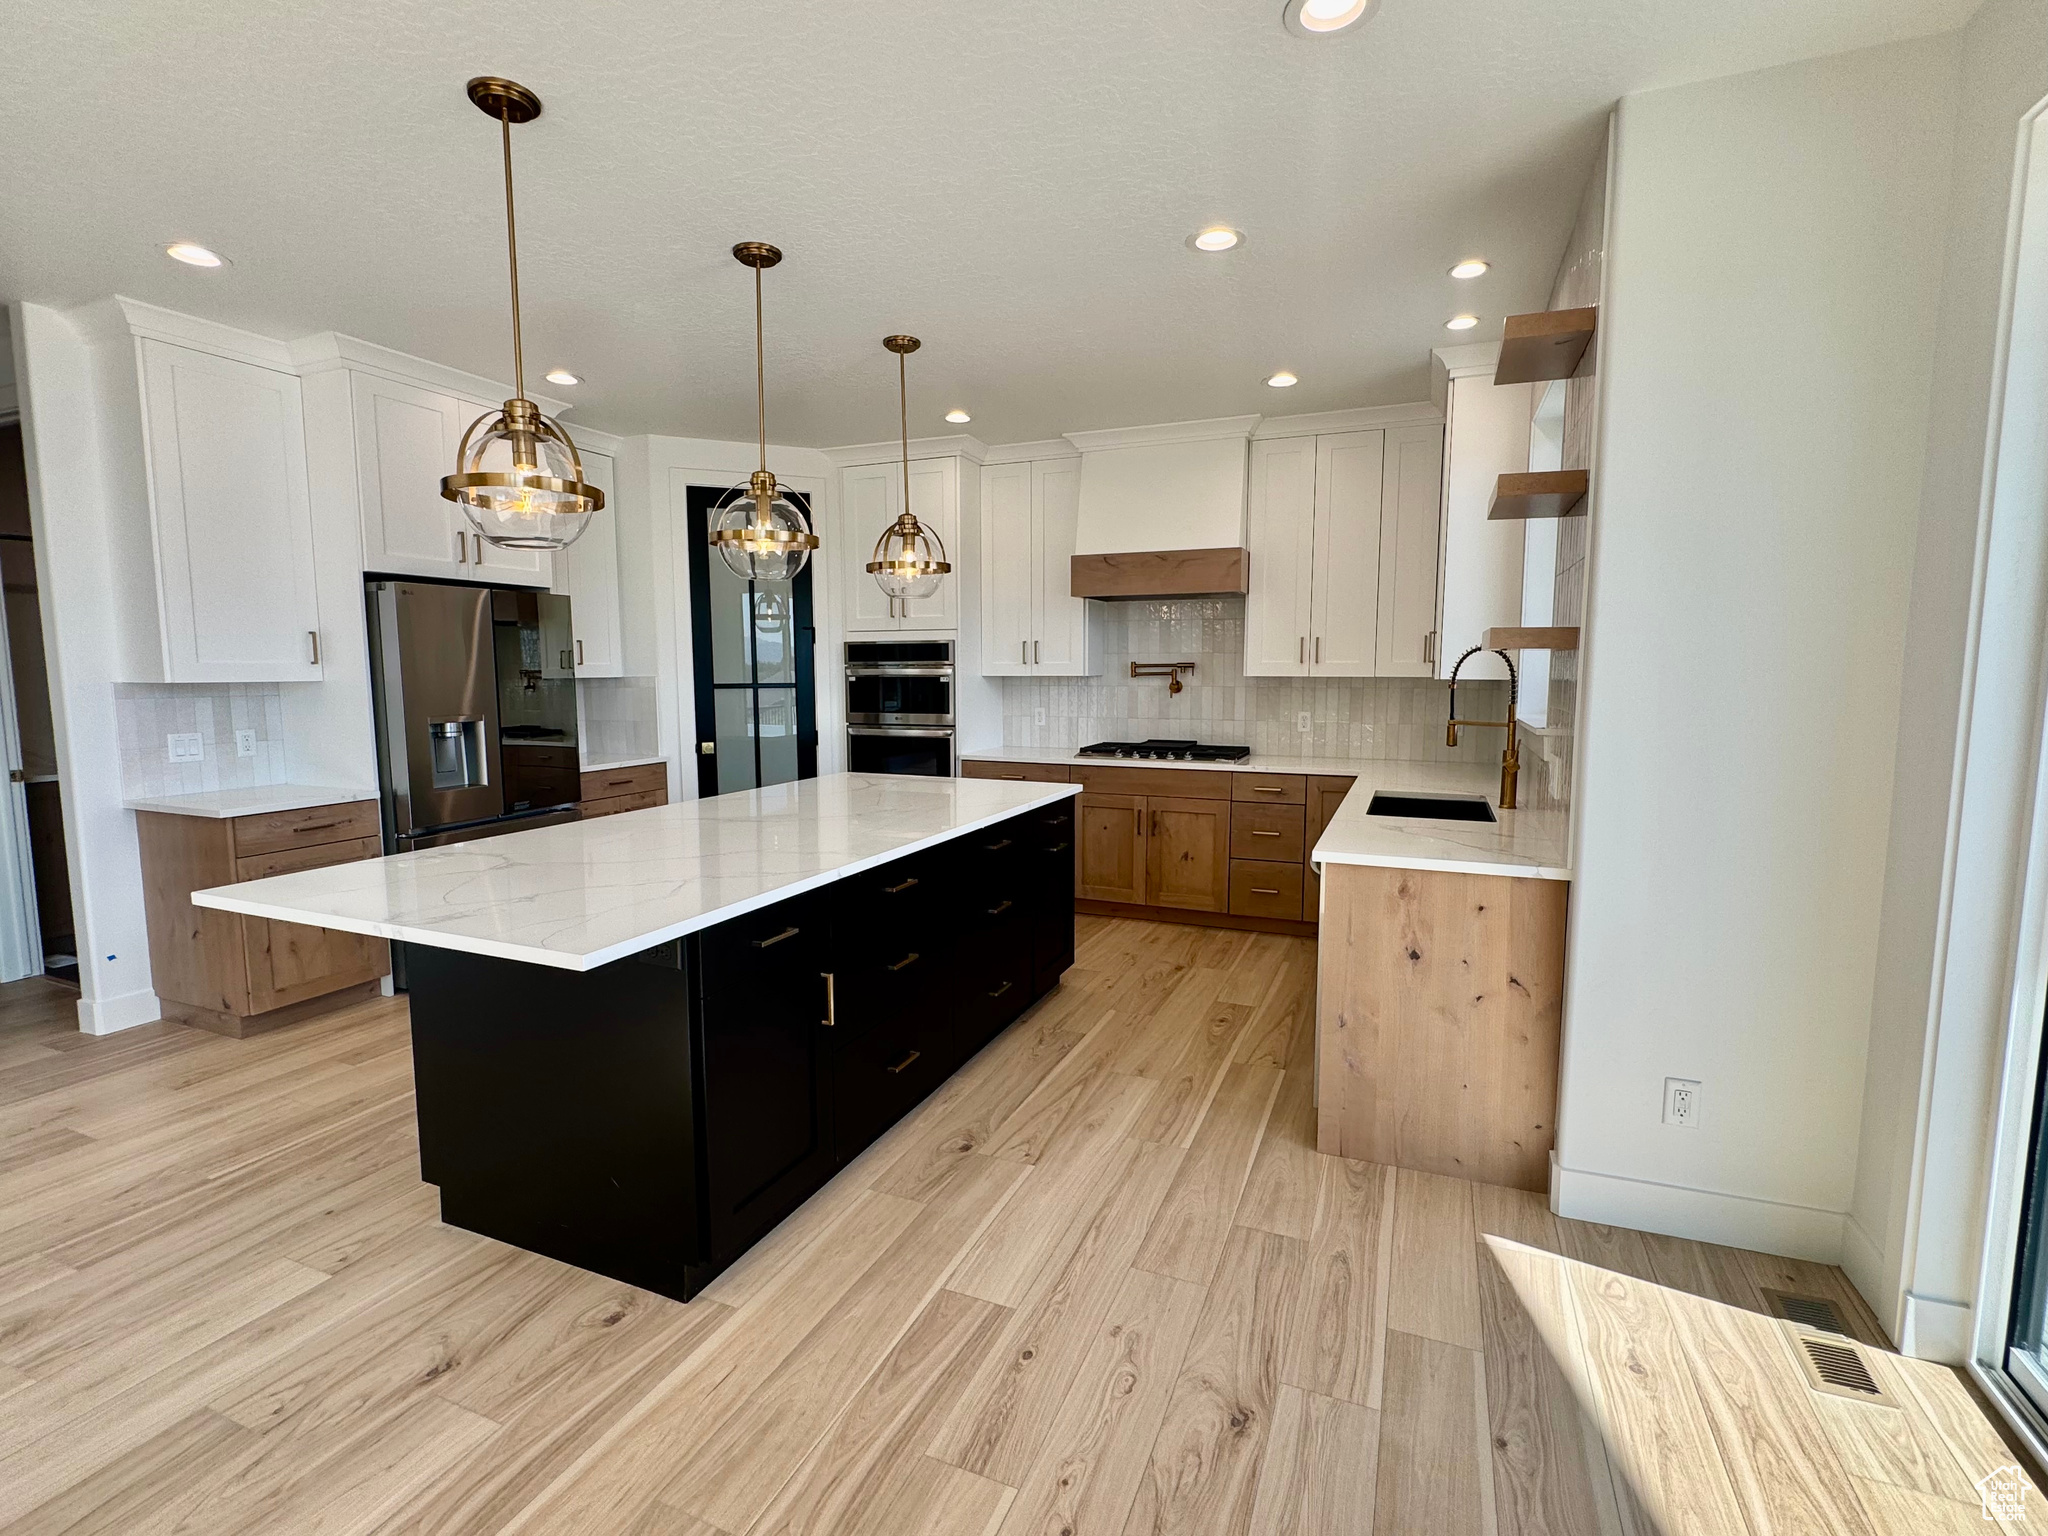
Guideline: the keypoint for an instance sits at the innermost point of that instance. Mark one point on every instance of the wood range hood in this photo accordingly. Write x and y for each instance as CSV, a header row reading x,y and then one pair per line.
x,y
1162,511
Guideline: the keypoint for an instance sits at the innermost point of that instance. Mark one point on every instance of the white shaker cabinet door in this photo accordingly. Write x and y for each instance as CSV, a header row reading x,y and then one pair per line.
x,y
406,439
1063,645
226,450
1009,572
872,497
935,498
1344,601
587,572
1280,535
1410,522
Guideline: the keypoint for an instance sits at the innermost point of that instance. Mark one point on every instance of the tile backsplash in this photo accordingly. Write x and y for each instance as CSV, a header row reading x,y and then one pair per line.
x,y
619,718
148,713
1377,717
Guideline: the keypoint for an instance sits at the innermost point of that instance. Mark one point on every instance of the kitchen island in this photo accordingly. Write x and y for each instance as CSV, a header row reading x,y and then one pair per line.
x,y
640,1042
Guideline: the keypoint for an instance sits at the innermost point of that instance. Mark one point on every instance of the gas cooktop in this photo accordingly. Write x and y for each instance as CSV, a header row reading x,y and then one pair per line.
x,y
1165,750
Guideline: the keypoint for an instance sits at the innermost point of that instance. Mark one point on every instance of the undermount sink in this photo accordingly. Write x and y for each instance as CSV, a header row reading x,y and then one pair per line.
x,y
1431,807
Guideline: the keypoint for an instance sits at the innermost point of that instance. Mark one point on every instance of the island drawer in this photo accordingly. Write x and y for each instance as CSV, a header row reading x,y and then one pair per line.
x,y
641,779
1027,773
1269,788
275,831
1272,832
1184,783
1260,889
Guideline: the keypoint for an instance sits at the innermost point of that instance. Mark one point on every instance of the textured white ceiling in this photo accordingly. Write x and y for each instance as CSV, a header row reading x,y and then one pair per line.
x,y
1011,182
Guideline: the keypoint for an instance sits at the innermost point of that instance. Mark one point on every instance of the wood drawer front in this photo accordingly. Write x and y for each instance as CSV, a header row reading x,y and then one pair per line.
x,y
308,828
288,860
1260,889
542,757
611,805
1269,832
618,782
1269,788
1028,773
1186,783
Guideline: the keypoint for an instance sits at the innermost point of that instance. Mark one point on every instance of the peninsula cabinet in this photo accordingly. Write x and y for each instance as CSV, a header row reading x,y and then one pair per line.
x,y
1342,530
1032,625
871,498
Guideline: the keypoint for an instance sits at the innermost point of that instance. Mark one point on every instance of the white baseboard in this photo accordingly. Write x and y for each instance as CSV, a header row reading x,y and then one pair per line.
x,y
1936,1330
1705,1215
1863,1262
111,1015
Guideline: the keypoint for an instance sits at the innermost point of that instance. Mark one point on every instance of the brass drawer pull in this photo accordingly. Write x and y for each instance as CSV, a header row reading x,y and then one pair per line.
x,y
1059,847
997,847
615,783
999,991
899,888
1264,890
1257,833
909,959
315,826
906,1061
1000,908
1267,789
1017,776
831,1001
787,933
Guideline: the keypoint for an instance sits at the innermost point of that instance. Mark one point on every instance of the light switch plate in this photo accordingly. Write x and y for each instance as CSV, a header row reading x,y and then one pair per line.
x,y
185,746
245,743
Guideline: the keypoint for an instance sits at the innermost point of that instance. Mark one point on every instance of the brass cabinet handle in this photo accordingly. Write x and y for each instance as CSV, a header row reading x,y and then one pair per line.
x,y
999,991
906,1061
898,889
1257,833
1301,651
997,847
615,783
314,636
1059,847
909,959
1000,908
461,548
1023,653
1264,890
1017,776
1319,650
831,1001
1034,653
787,933
315,826
579,653
1267,789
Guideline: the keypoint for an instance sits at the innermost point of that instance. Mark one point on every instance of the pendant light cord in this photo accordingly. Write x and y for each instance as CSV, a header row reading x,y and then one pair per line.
x,y
903,405
760,373
512,247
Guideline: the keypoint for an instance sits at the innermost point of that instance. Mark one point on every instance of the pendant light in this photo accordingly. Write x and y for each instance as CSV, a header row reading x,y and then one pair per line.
x,y
759,529
518,477
909,560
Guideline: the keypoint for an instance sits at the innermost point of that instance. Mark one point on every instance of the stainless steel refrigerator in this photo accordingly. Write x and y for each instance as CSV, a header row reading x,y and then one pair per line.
x,y
475,691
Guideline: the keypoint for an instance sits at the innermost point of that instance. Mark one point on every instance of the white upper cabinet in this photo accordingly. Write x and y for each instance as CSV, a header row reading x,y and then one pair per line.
x,y
406,440
224,565
1342,530
587,573
1032,624
1488,437
872,496
1410,548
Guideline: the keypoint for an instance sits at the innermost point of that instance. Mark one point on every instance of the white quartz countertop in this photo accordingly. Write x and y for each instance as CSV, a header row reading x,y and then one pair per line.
x,y
624,762
583,894
1256,763
255,800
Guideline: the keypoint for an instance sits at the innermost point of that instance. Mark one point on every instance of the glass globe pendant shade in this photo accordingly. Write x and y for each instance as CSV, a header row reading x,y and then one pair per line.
x,y
909,559
519,481
760,531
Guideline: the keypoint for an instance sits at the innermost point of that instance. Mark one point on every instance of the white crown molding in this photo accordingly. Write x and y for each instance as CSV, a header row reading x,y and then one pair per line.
x,y
328,350
601,442
1463,362
1165,432
961,445
1420,413
183,330
1031,453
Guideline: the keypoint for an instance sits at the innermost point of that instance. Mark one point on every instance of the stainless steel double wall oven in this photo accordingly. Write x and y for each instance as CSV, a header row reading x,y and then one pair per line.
x,y
899,707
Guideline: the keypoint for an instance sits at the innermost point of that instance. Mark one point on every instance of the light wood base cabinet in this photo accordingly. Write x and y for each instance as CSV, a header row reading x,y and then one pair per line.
x,y
1439,1003
608,791
240,975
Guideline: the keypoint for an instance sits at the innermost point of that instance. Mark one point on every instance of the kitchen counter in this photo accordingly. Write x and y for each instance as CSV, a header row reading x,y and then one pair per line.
x,y
254,800
624,762
1258,762
578,896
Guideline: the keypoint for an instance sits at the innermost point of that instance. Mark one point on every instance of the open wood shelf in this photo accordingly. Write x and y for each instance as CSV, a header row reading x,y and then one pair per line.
x,y
1564,637
1546,345
1540,493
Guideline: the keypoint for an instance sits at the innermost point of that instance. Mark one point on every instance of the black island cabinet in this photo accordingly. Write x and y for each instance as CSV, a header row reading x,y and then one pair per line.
x,y
651,1119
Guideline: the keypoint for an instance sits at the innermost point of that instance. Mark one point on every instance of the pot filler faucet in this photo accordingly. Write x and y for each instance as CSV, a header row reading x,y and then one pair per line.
x,y
1510,761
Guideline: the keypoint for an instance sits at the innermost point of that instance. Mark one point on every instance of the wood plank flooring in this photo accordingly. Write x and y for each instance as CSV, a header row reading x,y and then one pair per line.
x,y
1101,1284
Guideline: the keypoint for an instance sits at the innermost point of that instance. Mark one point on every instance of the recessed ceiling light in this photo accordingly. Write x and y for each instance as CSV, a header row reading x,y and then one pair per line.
x,y
1461,322
1282,380
956,417
1469,269
1320,18
1218,237
193,255
562,376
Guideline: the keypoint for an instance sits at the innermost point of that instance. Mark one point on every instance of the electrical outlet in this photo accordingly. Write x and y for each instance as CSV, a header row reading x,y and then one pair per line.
x,y
185,746
245,743
1302,722
1041,715
1681,1101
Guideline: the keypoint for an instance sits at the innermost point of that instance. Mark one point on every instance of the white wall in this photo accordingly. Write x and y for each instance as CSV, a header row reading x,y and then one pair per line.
x,y
1773,265
1937,1020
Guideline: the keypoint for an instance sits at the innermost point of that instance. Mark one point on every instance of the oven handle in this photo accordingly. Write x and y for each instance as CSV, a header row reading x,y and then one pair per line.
x,y
899,730
903,671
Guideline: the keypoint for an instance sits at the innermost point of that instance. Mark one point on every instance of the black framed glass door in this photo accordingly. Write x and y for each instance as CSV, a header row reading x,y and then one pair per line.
x,y
754,649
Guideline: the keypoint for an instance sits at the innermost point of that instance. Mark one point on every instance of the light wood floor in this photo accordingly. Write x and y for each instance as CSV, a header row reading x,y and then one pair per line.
x,y
1101,1283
